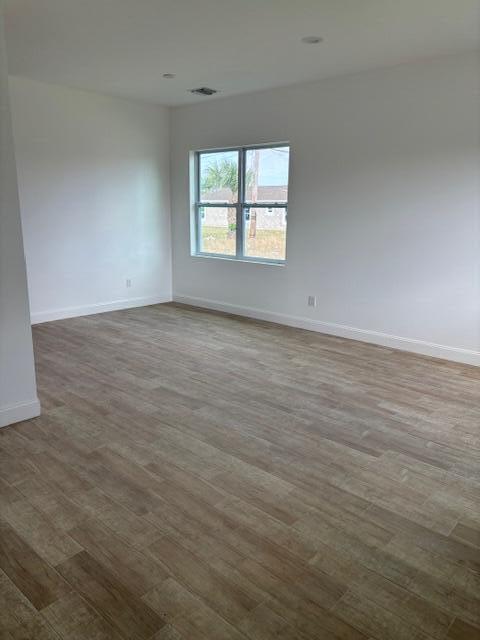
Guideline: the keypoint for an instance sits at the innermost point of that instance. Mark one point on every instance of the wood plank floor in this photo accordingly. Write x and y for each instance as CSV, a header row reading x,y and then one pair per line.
x,y
200,476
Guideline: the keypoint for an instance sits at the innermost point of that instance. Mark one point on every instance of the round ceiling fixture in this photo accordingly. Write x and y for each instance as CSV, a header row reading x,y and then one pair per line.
x,y
169,76
312,39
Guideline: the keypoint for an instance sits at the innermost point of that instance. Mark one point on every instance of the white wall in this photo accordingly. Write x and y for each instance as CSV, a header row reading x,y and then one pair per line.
x,y
93,176
18,394
384,206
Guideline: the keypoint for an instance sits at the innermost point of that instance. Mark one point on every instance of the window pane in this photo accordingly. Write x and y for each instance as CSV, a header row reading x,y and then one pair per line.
x,y
266,233
219,176
218,230
266,174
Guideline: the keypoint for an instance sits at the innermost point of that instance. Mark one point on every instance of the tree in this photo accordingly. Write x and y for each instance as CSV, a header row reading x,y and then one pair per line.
x,y
252,231
223,174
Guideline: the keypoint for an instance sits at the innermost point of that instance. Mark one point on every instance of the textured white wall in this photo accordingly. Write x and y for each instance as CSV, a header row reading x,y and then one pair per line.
x,y
18,394
384,206
93,175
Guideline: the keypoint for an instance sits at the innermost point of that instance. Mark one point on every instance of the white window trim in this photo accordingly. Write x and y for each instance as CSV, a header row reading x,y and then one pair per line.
x,y
241,206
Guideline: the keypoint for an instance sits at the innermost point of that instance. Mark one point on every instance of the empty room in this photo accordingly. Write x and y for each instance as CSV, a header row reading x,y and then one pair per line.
x,y
240,320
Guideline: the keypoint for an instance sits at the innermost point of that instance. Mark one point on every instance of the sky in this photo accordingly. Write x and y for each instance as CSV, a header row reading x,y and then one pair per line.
x,y
273,164
273,167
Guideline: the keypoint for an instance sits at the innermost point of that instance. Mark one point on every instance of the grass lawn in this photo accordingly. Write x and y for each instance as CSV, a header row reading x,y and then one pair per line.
x,y
268,243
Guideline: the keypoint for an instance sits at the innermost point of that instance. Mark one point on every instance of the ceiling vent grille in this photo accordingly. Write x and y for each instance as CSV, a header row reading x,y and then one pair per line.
x,y
204,91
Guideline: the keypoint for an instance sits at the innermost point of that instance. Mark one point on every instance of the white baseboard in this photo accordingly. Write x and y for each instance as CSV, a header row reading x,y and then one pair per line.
x,y
101,307
18,412
465,356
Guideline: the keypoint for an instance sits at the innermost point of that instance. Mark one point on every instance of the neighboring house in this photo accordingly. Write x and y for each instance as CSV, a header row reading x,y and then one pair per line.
x,y
270,218
265,194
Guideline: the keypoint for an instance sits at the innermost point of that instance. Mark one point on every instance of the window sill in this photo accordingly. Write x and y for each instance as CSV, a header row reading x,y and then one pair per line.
x,y
271,263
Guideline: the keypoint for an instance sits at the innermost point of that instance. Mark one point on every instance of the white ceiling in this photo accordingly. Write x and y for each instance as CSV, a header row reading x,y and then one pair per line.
x,y
123,47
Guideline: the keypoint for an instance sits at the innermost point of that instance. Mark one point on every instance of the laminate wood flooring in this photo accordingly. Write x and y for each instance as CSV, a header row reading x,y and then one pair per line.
x,y
202,476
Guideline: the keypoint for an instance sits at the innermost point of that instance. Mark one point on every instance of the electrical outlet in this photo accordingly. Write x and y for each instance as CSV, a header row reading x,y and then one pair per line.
x,y
312,301
128,283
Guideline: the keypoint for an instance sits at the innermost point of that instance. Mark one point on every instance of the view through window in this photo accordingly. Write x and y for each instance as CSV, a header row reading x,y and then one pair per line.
x,y
241,202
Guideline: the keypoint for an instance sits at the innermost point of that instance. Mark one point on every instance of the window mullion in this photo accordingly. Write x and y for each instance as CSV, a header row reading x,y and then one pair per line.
x,y
240,206
198,231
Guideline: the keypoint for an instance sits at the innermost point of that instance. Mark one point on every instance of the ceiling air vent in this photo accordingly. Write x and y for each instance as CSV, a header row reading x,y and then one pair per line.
x,y
204,91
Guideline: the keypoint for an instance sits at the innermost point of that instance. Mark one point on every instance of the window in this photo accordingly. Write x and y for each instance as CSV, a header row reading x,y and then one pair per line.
x,y
241,201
